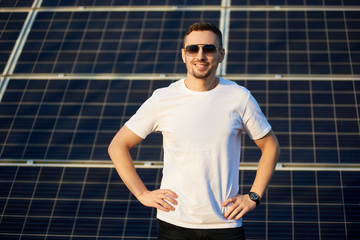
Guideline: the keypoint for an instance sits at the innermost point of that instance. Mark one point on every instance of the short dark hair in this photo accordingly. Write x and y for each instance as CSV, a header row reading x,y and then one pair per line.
x,y
204,26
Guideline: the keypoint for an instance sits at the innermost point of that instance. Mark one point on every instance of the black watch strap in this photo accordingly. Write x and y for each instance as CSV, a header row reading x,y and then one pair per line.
x,y
255,197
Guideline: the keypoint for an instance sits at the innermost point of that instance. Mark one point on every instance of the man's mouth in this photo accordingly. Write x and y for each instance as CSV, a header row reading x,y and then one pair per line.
x,y
201,65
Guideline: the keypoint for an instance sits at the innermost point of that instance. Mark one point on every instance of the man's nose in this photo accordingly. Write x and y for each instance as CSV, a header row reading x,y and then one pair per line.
x,y
201,54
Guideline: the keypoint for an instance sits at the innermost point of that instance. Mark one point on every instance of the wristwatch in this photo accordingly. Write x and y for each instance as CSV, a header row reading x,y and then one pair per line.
x,y
255,197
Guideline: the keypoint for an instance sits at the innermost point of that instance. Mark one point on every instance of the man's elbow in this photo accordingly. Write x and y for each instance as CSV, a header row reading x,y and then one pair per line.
x,y
111,149
277,152
276,147
116,145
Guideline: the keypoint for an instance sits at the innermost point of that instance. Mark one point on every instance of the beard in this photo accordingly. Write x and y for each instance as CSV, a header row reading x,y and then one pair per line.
x,y
201,74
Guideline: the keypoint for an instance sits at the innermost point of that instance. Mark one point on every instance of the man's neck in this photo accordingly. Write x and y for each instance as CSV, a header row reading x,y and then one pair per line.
x,y
201,85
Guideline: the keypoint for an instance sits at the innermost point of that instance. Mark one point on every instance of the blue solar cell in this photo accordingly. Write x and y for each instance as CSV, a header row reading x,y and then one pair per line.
x,y
94,191
86,226
91,110
303,155
301,126
65,123
326,141
323,112
346,112
46,190
324,126
112,227
56,152
303,178
278,195
300,112
11,224
90,209
305,213
328,178
331,195
113,111
17,207
39,137
80,152
278,213
322,98
69,191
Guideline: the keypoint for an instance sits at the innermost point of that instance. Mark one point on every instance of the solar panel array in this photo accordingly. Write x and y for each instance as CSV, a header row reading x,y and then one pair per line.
x,y
75,71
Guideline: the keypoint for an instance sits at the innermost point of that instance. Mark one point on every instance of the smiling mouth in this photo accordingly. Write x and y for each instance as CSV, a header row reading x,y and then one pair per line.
x,y
201,65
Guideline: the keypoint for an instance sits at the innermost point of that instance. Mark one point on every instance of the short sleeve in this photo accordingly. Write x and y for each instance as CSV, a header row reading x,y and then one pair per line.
x,y
145,120
254,121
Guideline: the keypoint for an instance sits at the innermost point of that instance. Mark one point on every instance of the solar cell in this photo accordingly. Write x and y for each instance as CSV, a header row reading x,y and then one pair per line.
x,y
16,3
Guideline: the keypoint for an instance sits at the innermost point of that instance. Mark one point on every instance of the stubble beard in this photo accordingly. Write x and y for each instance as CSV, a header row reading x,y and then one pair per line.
x,y
202,75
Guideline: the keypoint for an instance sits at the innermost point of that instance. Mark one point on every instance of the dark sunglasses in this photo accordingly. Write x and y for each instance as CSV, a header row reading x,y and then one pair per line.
x,y
208,49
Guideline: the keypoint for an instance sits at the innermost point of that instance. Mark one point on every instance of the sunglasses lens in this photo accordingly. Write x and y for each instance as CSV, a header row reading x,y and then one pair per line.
x,y
209,49
192,49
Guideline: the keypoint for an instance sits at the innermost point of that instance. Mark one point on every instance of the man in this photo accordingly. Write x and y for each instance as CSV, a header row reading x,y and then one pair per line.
x,y
201,118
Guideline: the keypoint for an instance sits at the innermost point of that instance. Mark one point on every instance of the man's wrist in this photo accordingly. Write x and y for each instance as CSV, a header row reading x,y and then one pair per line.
x,y
255,197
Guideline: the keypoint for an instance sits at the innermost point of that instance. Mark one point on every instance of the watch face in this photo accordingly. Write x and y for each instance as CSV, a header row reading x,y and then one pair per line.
x,y
254,196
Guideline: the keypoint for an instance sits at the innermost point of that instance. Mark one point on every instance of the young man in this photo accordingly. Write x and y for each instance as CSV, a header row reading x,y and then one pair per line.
x,y
201,118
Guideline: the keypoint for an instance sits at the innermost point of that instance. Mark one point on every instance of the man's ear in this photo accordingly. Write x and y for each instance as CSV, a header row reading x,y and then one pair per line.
x,y
183,55
222,54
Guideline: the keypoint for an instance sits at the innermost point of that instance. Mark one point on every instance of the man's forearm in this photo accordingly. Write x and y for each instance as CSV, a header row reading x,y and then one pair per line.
x,y
125,168
119,151
267,163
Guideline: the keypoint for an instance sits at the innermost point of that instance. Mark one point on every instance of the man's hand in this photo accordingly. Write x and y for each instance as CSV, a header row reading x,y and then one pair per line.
x,y
160,199
238,206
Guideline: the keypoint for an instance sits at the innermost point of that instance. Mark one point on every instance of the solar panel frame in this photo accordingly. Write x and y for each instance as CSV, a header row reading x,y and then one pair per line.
x,y
108,3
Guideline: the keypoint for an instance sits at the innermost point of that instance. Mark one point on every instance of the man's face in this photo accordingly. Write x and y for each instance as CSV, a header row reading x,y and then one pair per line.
x,y
202,65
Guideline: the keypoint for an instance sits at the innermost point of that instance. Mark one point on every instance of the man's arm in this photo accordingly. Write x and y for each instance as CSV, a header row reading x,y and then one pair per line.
x,y
270,153
119,151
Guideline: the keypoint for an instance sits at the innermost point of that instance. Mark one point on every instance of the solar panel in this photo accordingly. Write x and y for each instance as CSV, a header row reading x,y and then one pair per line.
x,y
315,121
293,42
108,42
77,117
89,203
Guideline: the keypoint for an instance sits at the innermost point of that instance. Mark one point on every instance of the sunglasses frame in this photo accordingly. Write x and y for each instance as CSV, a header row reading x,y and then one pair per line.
x,y
204,48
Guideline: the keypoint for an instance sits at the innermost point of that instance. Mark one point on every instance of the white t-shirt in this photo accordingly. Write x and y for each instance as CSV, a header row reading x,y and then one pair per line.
x,y
202,146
